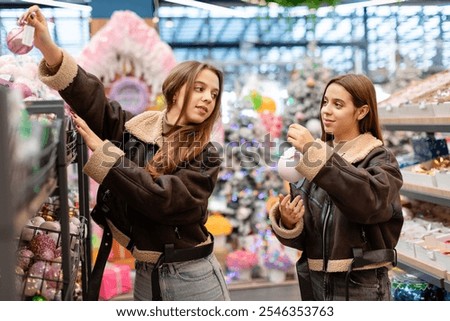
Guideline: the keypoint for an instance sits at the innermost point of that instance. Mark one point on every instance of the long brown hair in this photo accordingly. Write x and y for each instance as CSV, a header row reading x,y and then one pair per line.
x,y
362,90
184,143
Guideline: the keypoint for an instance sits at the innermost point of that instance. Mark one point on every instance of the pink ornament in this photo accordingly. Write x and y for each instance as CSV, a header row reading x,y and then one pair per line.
x,y
38,269
24,257
53,275
24,89
41,245
14,41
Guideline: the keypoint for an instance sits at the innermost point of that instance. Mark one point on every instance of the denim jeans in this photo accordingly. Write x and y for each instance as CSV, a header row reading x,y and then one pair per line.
x,y
196,280
367,285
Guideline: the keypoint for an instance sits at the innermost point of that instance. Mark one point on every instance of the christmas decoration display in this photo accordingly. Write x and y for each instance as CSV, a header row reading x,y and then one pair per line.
x,y
20,73
247,176
39,274
278,260
242,262
305,93
128,46
218,225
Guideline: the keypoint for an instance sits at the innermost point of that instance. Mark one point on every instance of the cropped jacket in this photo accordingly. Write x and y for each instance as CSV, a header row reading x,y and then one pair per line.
x,y
352,201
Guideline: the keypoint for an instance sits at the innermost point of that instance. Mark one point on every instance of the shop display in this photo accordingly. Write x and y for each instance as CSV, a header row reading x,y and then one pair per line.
x,y
130,58
427,213
278,265
241,263
49,243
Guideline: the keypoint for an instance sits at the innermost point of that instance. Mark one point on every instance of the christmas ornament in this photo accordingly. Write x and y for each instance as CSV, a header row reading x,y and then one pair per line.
x,y
287,163
18,40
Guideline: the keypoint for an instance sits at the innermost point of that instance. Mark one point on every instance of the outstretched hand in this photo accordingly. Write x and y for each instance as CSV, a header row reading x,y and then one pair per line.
x,y
90,138
42,38
291,211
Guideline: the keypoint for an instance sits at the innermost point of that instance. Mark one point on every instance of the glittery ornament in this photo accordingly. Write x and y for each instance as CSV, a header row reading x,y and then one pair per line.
x,y
53,276
41,245
38,269
38,298
24,257
33,286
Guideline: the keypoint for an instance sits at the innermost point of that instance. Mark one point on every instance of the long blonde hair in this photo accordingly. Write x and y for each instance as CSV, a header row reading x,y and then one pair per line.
x,y
184,143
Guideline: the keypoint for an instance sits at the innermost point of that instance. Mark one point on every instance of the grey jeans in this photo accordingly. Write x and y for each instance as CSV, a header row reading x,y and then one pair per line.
x,y
196,280
367,285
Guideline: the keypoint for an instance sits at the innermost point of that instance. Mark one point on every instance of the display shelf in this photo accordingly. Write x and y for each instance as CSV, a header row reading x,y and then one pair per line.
x,y
7,242
60,148
264,290
56,107
422,270
406,122
414,123
427,194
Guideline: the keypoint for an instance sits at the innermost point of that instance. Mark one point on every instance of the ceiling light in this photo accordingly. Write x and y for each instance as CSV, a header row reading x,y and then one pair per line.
x,y
61,4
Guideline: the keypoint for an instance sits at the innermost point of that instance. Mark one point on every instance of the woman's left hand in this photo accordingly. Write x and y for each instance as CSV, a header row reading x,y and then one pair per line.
x,y
90,138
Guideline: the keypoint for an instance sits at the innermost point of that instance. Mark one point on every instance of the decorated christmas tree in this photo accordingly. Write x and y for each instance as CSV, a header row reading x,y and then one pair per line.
x,y
248,175
305,93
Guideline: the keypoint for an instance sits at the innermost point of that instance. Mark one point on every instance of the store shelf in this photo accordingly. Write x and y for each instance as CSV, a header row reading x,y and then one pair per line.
x,y
263,290
426,194
424,271
412,123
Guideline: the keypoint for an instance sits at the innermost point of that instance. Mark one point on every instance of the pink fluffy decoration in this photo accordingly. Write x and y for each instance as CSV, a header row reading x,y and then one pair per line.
x,y
241,260
272,123
127,45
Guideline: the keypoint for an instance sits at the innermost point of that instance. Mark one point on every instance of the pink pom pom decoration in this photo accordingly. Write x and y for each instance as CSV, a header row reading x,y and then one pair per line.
x,y
241,260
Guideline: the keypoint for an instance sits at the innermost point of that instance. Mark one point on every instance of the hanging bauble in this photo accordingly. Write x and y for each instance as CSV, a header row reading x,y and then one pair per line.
x,y
268,104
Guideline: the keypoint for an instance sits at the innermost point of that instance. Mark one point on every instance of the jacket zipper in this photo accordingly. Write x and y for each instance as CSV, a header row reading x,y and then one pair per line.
x,y
326,277
325,238
177,233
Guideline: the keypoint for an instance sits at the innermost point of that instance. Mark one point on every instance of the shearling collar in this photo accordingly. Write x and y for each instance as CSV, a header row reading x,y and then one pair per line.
x,y
147,126
358,148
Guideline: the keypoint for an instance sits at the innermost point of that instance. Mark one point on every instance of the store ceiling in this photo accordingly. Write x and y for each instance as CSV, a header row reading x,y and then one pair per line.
x,y
226,3
24,4
234,3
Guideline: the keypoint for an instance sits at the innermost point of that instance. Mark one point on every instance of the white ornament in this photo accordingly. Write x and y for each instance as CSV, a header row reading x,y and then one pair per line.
x,y
287,163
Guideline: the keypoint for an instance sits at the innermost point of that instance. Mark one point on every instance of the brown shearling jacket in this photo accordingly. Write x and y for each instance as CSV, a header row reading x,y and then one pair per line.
x,y
171,209
352,200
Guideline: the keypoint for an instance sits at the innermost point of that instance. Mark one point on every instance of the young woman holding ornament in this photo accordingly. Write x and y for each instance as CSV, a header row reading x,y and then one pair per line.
x,y
345,214
156,171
